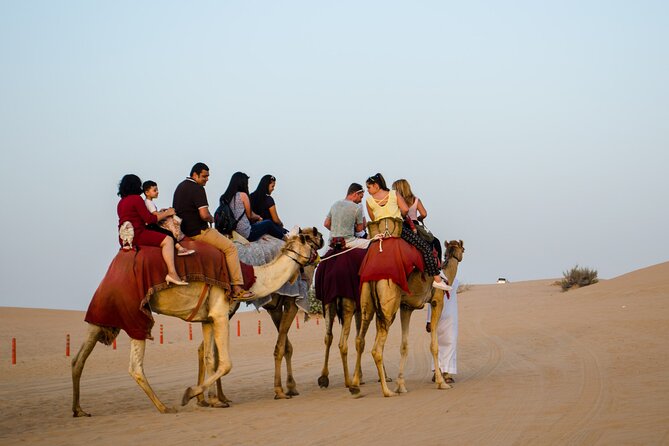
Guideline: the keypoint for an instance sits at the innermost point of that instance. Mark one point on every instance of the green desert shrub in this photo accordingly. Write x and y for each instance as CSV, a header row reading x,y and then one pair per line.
x,y
578,277
315,306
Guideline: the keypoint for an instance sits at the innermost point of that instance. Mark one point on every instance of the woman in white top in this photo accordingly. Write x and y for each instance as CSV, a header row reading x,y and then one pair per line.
x,y
417,211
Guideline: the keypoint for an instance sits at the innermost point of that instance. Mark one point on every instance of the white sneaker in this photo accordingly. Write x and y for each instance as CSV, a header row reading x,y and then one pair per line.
x,y
441,286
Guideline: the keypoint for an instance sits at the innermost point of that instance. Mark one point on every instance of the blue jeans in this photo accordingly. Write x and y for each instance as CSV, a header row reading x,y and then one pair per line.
x,y
266,227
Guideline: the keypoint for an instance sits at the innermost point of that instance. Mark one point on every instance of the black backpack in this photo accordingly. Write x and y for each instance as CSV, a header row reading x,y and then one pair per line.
x,y
224,219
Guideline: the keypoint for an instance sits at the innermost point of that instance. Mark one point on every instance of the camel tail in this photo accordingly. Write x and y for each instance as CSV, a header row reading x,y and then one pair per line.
x,y
108,334
339,309
377,307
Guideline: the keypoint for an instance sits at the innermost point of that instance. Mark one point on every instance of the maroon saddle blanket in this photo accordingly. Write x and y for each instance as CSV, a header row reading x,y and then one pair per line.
x,y
337,275
397,260
121,299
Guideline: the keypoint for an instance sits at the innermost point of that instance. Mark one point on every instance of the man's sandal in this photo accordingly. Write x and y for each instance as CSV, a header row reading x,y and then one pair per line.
x,y
243,296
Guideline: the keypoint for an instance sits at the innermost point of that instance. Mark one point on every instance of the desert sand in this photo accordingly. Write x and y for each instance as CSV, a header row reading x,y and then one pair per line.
x,y
536,366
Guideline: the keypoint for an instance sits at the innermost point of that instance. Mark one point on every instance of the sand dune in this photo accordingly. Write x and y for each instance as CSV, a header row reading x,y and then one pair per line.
x,y
537,366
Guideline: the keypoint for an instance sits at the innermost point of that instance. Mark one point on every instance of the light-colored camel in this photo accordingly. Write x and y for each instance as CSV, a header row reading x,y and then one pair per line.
x,y
282,309
384,298
213,314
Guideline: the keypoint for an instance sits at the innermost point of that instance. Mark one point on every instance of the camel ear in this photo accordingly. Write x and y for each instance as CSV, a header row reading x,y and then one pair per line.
x,y
446,244
293,232
462,245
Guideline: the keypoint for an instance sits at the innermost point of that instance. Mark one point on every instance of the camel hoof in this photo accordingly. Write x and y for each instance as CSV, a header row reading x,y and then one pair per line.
x,y
169,410
80,413
293,392
354,390
323,382
444,386
188,394
219,405
283,396
401,389
202,403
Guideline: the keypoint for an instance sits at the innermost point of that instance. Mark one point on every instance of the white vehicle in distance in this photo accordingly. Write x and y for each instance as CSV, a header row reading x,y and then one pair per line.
x,y
501,280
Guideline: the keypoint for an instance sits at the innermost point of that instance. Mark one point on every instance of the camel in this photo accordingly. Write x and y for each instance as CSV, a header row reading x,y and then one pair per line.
x,y
283,310
213,313
384,298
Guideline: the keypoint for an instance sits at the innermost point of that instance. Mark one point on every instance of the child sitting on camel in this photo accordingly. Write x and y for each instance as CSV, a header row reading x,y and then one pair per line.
x,y
169,226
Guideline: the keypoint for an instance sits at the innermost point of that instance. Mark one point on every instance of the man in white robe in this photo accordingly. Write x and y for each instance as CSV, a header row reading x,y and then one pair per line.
x,y
447,334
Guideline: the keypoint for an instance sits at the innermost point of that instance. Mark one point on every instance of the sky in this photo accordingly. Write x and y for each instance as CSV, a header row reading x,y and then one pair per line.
x,y
536,132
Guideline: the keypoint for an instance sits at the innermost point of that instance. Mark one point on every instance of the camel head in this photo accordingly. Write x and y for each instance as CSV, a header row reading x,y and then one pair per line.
x,y
302,246
313,237
455,249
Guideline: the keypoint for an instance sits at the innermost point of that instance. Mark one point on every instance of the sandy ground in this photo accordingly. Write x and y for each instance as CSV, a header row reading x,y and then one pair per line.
x,y
537,366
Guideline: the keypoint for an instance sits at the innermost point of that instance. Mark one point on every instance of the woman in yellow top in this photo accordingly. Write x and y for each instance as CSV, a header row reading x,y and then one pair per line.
x,y
382,203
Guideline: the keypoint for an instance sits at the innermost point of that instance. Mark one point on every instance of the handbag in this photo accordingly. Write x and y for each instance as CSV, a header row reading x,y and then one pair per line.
x,y
423,232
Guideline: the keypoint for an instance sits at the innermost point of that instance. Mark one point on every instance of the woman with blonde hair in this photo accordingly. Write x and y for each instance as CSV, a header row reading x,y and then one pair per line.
x,y
383,202
417,212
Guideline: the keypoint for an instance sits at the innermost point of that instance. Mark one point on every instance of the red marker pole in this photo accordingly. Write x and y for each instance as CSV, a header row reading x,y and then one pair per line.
x,y
239,328
297,321
317,319
258,326
161,333
13,351
67,345
190,332
114,344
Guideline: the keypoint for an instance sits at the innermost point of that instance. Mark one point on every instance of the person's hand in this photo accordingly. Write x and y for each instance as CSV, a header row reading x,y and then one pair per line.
x,y
428,327
170,212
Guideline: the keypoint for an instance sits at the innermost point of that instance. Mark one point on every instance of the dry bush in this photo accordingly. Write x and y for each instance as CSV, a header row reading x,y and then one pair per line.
x,y
463,287
578,277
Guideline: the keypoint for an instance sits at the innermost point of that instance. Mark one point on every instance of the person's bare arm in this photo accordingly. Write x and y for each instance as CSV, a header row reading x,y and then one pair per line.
x,y
252,216
205,215
369,211
275,216
402,205
422,212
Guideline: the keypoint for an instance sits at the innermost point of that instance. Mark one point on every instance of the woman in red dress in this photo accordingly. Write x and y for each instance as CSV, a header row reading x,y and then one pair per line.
x,y
132,208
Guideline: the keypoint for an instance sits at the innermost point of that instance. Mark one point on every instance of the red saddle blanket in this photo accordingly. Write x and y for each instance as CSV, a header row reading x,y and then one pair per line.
x,y
397,260
121,300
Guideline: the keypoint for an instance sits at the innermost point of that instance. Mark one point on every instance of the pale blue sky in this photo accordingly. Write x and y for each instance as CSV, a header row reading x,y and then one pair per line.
x,y
535,131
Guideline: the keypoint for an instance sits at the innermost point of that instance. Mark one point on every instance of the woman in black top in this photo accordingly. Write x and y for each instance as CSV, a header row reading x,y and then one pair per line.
x,y
262,202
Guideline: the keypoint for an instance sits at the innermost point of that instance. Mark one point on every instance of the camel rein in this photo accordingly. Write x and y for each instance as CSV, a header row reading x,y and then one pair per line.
x,y
205,289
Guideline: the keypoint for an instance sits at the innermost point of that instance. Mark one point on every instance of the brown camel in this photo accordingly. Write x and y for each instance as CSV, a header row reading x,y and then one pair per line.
x,y
213,314
282,309
384,298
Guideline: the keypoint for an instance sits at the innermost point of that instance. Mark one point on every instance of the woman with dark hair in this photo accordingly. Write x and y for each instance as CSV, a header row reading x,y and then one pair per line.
x,y
250,225
383,203
262,202
132,209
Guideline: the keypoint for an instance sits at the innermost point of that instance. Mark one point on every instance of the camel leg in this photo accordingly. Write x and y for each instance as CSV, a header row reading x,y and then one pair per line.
x,y
78,363
405,318
291,385
366,315
207,363
358,326
136,370
282,316
219,307
437,307
348,306
389,300
324,380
